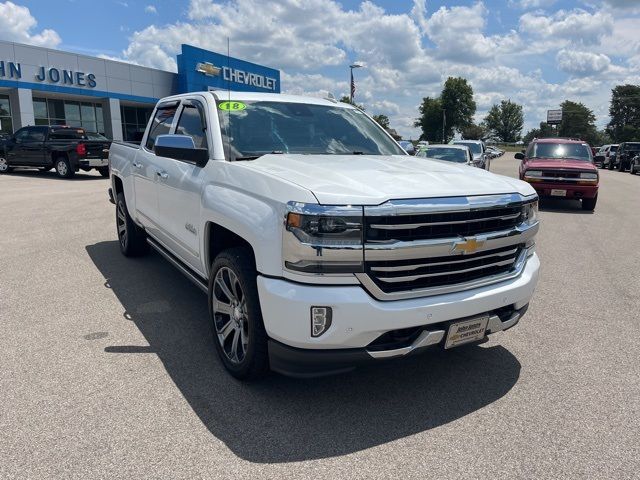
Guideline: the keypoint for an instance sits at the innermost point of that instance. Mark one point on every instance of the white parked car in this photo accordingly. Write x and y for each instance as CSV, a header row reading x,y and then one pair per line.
x,y
479,151
320,244
448,153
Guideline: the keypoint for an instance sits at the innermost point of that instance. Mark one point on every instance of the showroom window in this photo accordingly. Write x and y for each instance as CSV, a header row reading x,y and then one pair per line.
x,y
52,111
6,124
134,122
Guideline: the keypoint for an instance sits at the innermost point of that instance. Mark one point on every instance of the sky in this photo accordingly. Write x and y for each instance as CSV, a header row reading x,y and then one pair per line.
x,y
534,52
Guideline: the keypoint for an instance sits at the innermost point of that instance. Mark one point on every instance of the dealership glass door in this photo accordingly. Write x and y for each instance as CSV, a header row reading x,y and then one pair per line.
x,y
52,111
6,123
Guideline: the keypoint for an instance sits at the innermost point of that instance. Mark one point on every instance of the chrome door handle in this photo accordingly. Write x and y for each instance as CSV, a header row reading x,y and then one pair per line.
x,y
163,175
137,165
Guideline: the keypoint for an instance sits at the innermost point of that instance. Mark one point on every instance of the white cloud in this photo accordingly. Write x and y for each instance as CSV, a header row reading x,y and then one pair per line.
x,y
17,25
580,63
458,33
576,25
151,9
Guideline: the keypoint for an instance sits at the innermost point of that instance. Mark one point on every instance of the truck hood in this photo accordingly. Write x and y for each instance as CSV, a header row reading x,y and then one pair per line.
x,y
556,164
374,179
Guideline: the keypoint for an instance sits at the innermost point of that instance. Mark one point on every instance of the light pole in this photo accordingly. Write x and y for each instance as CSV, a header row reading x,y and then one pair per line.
x,y
352,86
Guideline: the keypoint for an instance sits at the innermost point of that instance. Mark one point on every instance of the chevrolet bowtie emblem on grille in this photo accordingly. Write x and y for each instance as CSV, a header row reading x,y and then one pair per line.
x,y
208,69
467,246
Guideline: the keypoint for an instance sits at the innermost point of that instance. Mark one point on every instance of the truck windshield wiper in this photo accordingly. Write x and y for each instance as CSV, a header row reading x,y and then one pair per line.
x,y
254,157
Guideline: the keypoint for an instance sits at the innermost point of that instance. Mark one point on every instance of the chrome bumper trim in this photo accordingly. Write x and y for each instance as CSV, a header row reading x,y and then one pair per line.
x,y
425,339
433,337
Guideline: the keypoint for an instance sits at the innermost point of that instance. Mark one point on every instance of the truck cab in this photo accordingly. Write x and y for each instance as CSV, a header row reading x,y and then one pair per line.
x,y
562,169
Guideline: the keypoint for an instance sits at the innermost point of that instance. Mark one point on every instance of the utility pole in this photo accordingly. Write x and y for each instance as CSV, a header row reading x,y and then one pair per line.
x,y
444,123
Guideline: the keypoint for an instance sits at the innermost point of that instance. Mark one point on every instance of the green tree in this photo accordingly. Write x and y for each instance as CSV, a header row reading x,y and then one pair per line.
x,y
544,131
505,121
578,121
430,120
473,132
382,120
346,99
458,104
624,111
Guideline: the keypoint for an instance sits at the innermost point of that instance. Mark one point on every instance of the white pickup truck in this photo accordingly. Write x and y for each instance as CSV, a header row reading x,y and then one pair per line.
x,y
321,245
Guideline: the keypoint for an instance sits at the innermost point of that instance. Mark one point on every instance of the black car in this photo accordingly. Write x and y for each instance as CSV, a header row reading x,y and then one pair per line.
x,y
67,149
627,151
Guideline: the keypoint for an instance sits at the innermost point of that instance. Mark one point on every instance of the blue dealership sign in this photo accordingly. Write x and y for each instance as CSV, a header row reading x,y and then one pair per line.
x,y
201,70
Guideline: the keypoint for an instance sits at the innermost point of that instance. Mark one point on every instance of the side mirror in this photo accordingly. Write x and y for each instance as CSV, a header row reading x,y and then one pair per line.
x,y
181,147
519,156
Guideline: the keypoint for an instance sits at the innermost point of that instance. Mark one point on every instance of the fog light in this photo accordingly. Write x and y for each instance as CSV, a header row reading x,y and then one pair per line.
x,y
320,320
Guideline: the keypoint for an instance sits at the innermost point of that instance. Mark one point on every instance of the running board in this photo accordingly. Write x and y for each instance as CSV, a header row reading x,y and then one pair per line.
x,y
186,271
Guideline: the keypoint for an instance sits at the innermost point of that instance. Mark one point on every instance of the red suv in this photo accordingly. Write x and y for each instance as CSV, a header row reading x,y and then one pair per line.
x,y
561,168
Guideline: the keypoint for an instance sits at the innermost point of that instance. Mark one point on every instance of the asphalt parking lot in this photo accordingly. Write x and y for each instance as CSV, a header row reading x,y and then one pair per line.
x,y
108,370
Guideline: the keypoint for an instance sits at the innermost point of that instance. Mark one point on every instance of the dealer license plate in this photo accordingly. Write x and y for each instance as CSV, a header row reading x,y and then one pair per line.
x,y
467,331
558,193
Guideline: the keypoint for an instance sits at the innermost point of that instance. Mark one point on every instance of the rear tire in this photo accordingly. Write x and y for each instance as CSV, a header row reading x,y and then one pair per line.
x,y
132,239
104,171
63,167
236,318
589,204
632,169
4,166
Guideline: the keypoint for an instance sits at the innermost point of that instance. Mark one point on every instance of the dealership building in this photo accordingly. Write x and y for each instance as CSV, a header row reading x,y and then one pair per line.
x,y
40,86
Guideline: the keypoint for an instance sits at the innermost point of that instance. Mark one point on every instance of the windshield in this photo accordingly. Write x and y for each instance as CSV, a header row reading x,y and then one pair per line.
x,y
474,147
254,128
456,155
575,151
613,148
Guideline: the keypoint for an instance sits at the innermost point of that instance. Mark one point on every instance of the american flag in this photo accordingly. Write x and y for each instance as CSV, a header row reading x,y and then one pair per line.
x,y
353,86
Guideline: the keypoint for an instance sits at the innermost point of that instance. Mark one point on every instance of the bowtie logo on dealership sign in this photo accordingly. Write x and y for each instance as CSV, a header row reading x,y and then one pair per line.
x,y
208,69
467,246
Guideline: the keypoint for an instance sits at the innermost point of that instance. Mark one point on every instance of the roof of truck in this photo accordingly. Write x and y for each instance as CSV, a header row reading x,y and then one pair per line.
x,y
223,95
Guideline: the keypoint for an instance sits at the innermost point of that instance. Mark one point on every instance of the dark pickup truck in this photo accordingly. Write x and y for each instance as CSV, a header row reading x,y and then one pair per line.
x,y
67,149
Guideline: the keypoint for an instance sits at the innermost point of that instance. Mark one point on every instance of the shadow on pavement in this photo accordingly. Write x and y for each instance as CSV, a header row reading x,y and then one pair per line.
x,y
52,175
563,206
282,419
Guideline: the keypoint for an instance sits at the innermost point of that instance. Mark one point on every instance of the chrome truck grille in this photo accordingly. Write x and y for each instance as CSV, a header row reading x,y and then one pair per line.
x,y
417,248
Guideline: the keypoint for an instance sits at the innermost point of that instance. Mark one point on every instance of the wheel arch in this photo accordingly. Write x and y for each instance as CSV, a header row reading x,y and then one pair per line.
x,y
219,238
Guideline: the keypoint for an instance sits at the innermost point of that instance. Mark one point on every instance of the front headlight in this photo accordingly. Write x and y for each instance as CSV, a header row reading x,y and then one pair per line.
x,y
533,173
589,176
530,213
323,239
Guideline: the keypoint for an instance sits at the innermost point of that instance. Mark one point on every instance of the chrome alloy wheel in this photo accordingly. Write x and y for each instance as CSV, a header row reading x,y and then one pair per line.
x,y
61,168
121,222
230,315
4,166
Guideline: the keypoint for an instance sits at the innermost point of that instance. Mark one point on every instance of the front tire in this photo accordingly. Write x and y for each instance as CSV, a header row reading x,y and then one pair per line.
x,y
236,318
589,204
63,168
4,166
132,239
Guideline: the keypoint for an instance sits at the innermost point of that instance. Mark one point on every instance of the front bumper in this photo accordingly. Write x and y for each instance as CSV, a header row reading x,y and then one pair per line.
x,y
93,162
573,191
305,363
359,319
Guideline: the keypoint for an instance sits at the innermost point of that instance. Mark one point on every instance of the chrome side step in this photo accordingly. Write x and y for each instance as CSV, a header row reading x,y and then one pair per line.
x,y
186,271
